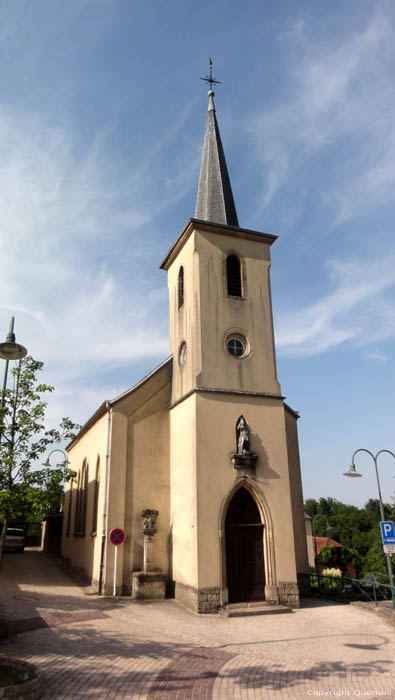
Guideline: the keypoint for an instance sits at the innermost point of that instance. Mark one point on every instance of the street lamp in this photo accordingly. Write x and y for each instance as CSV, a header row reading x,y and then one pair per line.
x,y
10,350
47,464
318,515
60,464
353,473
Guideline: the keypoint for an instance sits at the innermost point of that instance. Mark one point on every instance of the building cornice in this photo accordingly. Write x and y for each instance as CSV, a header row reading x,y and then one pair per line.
x,y
237,392
212,227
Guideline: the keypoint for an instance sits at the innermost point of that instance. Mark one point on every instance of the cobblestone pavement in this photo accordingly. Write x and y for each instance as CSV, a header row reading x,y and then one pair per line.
x,y
103,648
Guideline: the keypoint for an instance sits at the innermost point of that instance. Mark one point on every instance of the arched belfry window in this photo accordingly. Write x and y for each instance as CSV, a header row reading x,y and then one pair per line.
x,y
233,276
181,287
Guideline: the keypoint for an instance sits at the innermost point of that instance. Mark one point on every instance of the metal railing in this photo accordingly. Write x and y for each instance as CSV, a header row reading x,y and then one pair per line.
x,y
344,588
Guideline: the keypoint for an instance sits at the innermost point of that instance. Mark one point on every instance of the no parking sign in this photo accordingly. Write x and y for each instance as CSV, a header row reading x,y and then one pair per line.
x,y
116,537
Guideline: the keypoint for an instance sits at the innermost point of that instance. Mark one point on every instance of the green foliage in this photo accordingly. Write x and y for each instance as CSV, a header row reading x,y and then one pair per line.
x,y
25,489
357,529
327,555
375,560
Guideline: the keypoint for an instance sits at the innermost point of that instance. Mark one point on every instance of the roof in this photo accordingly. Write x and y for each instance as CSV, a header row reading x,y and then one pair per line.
x,y
321,542
215,198
100,411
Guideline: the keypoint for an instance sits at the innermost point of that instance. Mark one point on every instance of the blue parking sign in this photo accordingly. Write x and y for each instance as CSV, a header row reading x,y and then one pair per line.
x,y
387,531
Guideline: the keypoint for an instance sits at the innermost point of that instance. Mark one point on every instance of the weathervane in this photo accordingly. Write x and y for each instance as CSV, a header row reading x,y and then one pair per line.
x,y
209,78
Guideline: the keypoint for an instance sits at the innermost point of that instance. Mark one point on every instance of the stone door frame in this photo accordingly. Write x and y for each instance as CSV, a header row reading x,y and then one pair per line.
x,y
271,588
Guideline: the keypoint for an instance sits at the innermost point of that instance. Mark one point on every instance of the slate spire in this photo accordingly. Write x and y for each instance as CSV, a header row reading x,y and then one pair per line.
x,y
214,199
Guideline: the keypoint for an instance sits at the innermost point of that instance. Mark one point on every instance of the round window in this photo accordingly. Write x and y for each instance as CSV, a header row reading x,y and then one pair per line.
x,y
236,345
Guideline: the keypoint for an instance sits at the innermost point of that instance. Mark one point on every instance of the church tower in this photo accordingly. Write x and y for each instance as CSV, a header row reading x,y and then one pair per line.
x,y
236,505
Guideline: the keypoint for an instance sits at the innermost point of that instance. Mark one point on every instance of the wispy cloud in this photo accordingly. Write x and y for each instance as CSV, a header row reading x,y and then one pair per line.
x,y
357,310
340,100
67,216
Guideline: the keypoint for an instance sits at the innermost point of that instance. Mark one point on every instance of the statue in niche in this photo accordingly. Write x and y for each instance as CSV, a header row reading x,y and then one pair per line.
x,y
149,526
242,437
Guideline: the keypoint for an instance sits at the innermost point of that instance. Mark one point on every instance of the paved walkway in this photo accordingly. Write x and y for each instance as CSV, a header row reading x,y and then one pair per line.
x,y
106,648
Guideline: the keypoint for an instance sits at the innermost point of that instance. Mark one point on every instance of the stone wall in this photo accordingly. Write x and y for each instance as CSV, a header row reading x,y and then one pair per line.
x,y
289,594
148,585
202,600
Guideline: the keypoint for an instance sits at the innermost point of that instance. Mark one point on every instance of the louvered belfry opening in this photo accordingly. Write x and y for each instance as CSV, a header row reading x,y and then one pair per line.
x,y
181,287
233,275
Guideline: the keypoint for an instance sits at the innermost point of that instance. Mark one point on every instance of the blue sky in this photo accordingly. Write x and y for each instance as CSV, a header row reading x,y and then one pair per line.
x,y
102,117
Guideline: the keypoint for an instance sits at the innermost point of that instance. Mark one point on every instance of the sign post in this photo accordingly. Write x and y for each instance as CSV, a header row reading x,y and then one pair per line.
x,y
117,536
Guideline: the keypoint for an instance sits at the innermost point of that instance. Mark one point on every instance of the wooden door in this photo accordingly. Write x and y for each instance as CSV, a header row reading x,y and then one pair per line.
x,y
245,566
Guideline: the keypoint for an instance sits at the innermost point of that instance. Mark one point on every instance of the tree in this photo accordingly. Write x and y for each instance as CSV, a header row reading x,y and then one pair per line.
x,y
357,529
24,487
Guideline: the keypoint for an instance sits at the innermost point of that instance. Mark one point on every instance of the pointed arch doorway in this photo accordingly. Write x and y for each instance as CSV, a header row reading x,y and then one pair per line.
x,y
245,563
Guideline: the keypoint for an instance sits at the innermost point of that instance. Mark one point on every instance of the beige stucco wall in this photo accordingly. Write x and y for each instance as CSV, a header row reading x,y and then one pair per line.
x,y
217,415
209,315
183,495
148,479
309,536
138,477
84,551
298,514
203,425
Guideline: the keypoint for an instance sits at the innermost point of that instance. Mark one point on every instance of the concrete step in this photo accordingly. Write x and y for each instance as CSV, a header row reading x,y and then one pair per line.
x,y
249,609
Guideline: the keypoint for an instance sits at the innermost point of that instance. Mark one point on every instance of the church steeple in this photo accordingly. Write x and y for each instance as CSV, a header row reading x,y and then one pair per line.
x,y
215,198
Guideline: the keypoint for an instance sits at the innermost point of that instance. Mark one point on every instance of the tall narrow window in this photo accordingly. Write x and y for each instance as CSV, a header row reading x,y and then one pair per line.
x,y
70,498
181,287
233,276
96,497
82,501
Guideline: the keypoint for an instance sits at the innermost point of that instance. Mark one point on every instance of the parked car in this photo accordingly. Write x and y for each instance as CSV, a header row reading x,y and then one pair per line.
x,y
14,540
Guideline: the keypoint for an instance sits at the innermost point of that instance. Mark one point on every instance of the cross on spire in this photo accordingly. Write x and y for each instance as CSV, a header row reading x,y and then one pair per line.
x,y
209,78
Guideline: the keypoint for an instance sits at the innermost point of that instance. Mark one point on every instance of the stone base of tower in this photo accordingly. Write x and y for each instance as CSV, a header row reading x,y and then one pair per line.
x,y
201,600
288,594
208,600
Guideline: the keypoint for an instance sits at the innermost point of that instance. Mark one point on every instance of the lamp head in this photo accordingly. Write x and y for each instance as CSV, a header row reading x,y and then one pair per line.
x,y
46,463
352,471
10,350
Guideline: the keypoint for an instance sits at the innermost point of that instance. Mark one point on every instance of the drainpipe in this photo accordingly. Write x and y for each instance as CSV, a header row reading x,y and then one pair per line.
x,y
105,499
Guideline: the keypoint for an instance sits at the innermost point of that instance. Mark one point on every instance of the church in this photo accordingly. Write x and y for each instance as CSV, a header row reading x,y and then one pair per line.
x,y
197,466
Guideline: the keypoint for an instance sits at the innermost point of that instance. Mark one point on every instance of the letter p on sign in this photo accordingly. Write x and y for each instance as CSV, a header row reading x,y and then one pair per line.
x,y
387,532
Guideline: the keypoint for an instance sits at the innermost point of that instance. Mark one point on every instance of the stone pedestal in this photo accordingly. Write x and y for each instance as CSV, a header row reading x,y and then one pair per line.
x,y
148,585
148,553
244,461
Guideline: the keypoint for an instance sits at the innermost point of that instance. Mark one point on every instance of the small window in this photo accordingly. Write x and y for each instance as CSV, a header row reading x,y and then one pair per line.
x,y
181,287
237,345
233,276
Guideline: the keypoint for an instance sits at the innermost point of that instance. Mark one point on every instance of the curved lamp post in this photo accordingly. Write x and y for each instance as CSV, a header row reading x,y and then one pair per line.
x,y
59,464
353,473
47,463
318,515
